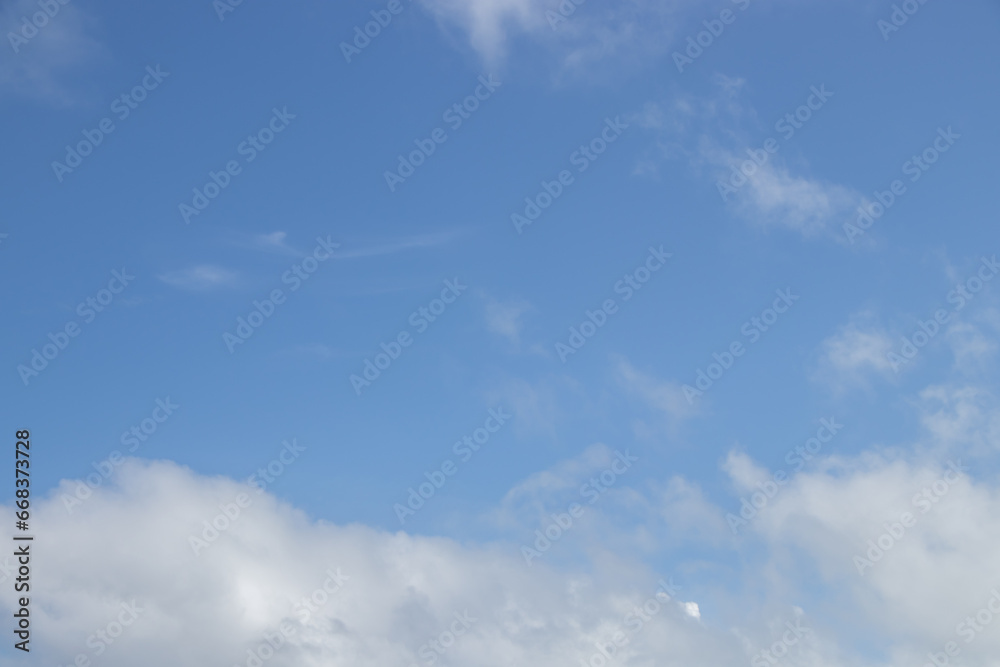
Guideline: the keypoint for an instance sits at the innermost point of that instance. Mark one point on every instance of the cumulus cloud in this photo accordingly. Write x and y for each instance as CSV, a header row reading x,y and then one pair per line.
x,y
884,549
907,546
268,565
892,550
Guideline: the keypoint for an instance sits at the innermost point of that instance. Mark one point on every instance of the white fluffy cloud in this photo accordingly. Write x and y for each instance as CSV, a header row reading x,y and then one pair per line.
x,y
131,542
965,415
890,549
910,591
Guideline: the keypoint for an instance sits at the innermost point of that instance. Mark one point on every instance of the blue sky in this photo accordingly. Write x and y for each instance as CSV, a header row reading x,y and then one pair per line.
x,y
203,88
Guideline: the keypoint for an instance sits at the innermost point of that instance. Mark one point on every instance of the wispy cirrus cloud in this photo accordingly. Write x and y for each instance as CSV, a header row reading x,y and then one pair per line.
x,y
719,137
774,197
505,318
279,242
582,38
855,353
666,398
430,240
489,23
275,242
40,61
200,278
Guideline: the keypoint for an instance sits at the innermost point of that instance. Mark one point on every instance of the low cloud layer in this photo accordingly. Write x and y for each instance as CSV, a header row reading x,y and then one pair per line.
x,y
208,570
